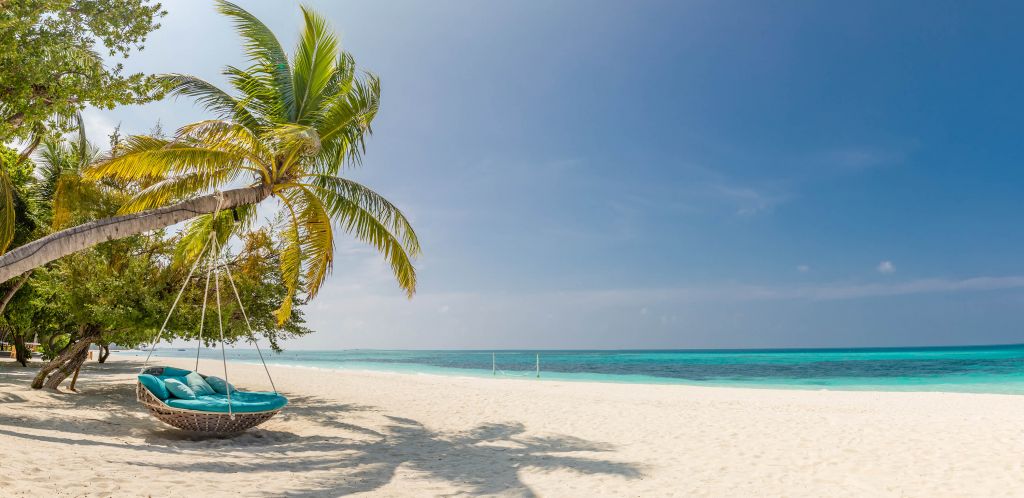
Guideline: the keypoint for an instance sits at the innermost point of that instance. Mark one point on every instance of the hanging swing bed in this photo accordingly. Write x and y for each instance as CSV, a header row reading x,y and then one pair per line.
x,y
200,403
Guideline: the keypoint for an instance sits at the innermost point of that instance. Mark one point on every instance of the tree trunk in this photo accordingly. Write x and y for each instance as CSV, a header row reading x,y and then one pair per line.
x,y
71,367
75,377
59,366
22,354
14,290
64,242
104,352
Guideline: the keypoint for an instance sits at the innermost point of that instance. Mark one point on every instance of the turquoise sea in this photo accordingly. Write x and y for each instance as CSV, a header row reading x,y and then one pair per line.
x,y
990,369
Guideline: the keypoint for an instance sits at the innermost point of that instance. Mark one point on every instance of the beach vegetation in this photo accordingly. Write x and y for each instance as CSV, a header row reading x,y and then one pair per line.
x,y
287,130
52,67
119,292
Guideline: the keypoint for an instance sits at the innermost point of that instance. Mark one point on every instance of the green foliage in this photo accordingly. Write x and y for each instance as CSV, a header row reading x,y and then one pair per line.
x,y
51,349
123,289
18,181
50,67
290,127
256,274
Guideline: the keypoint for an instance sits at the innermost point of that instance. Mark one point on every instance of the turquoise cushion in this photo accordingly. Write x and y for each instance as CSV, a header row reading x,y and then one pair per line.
x,y
181,379
241,402
218,384
174,372
198,384
155,386
179,389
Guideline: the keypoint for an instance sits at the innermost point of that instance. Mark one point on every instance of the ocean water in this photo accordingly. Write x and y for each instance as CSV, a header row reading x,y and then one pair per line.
x,y
990,369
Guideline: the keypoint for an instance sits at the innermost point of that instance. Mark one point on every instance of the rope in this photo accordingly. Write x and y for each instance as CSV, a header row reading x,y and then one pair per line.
x,y
214,267
173,306
220,327
252,335
202,316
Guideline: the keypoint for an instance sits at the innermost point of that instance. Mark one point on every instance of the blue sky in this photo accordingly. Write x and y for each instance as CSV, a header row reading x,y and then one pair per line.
x,y
588,174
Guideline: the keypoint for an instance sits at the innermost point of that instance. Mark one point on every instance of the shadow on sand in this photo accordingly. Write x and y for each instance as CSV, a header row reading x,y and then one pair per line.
x,y
342,458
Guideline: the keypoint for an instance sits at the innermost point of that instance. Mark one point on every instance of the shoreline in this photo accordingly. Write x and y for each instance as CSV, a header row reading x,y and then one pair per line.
x,y
391,434
1017,388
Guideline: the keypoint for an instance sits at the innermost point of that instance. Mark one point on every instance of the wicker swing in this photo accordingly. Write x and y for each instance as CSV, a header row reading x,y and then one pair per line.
x,y
208,422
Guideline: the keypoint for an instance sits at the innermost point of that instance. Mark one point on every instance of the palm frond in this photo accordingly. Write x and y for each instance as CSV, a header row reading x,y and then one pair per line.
x,y
72,194
314,65
343,75
7,214
197,232
212,99
371,218
229,137
176,188
261,95
264,50
339,192
317,239
150,158
345,122
356,107
291,262
291,144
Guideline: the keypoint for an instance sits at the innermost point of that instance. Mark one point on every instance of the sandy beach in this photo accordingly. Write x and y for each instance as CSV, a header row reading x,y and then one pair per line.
x,y
382,434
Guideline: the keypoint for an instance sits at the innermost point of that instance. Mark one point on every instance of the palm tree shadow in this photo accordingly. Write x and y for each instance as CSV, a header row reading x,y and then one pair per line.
x,y
336,448
486,460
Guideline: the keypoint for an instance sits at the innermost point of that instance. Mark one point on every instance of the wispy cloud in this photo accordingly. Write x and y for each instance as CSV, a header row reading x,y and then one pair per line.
x,y
379,316
852,159
749,201
886,267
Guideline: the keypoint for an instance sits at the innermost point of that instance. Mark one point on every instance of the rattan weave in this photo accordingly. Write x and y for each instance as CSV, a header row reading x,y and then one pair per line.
x,y
206,422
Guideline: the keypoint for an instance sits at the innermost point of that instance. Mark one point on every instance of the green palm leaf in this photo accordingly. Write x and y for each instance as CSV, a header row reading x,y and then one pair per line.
x,y
314,65
7,214
288,127
265,52
212,99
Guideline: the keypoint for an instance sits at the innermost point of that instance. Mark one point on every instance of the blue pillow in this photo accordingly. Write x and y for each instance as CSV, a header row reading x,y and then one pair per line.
x,y
218,384
198,384
173,372
155,386
179,389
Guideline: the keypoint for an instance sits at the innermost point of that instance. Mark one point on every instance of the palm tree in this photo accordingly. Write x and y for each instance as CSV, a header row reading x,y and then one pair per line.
x,y
292,126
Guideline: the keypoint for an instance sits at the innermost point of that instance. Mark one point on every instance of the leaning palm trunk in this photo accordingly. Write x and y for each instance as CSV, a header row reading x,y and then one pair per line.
x,y
65,242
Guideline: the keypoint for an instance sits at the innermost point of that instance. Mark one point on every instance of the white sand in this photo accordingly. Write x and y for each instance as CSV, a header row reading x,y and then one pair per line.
x,y
418,435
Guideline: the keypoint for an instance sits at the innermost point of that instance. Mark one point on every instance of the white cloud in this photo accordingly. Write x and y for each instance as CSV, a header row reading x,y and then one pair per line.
x,y
886,267
803,268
